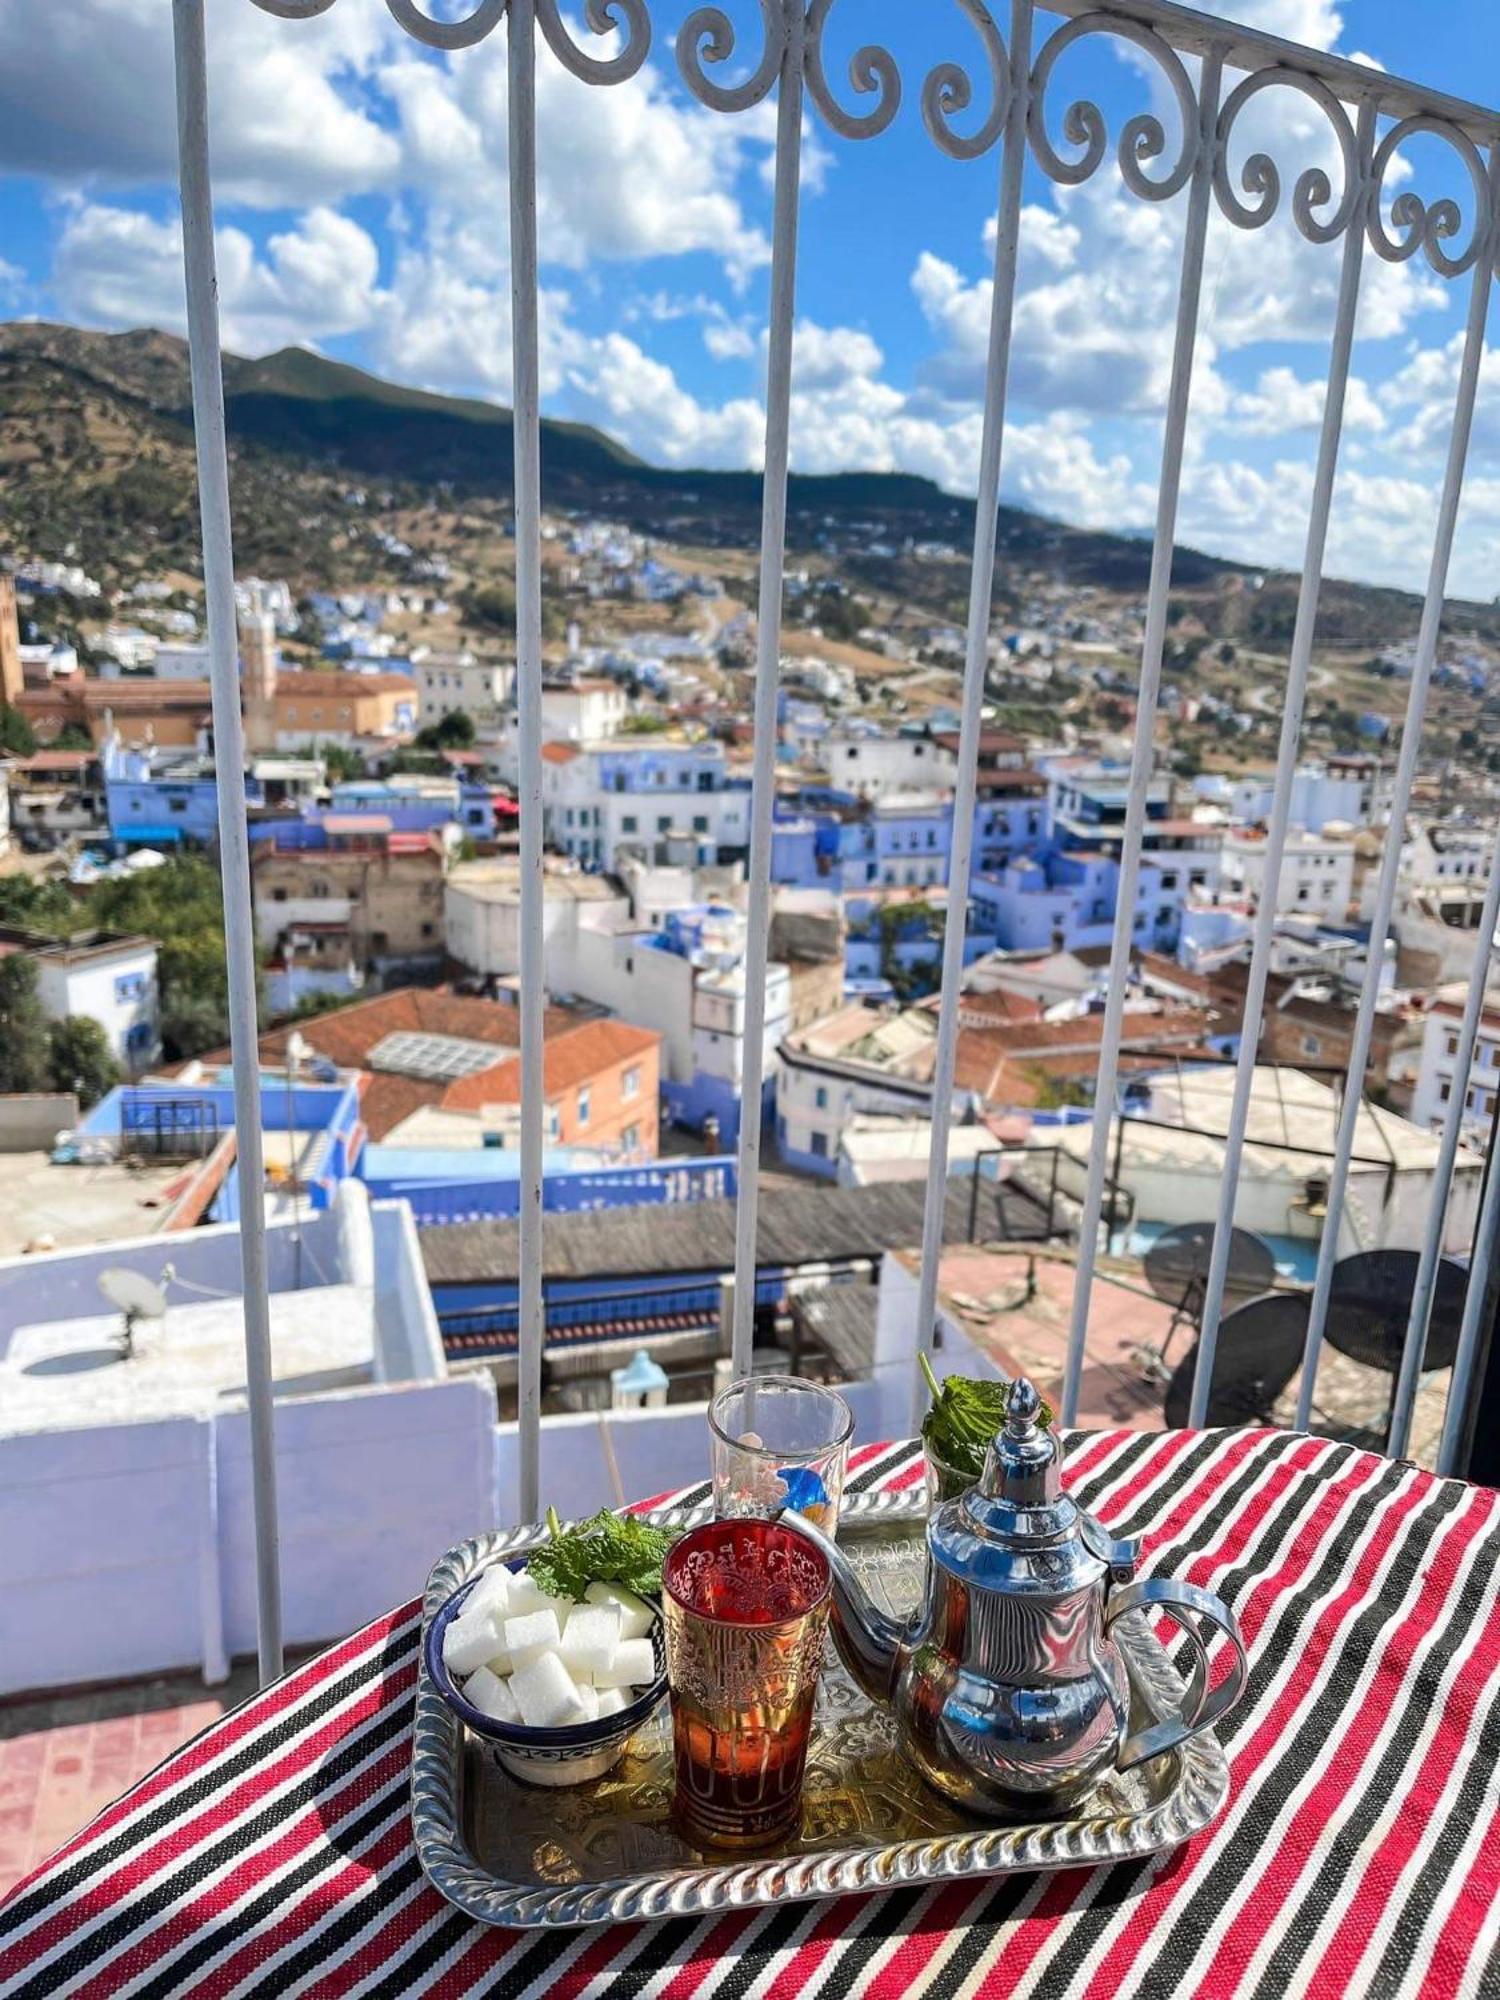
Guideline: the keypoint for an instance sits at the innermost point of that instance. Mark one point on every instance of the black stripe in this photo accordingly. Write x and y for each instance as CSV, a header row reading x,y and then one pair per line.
x,y
157,1900
1117,1884
1474,1802
324,1948
1337,1858
996,1911
1088,1492
234,1926
196,1791
537,1952
1293,1757
884,1467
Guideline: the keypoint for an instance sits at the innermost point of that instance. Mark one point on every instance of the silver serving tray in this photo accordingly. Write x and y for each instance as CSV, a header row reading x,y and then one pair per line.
x,y
513,1854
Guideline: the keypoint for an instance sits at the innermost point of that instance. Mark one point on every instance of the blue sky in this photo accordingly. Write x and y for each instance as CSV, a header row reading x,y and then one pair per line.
x,y
362,204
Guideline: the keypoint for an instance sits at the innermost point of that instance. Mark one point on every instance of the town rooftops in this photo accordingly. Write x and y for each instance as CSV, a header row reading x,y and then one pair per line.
x,y
81,949
568,1059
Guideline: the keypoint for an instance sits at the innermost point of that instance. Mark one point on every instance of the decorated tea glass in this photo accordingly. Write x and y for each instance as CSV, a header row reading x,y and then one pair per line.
x,y
779,1442
746,1610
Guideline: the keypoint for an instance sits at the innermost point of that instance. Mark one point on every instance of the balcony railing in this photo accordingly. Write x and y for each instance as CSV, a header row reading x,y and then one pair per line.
x,y
1002,114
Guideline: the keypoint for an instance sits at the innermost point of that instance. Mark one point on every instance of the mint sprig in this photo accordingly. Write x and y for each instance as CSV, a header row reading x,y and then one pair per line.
x,y
609,1548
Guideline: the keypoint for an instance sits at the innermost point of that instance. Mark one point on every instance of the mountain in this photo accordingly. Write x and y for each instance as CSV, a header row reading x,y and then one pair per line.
x,y
96,451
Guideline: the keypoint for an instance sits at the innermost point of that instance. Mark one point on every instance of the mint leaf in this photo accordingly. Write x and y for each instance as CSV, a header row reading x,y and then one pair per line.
x,y
610,1548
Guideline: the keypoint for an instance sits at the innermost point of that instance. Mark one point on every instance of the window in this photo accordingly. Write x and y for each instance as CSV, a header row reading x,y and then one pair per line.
x,y
177,805
630,1081
820,1098
627,823
1312,1045
630,1138
130,986
664,823
1445,1091
819,1145
278,895
1452,1045
700,823
931,837
427,930
583,1104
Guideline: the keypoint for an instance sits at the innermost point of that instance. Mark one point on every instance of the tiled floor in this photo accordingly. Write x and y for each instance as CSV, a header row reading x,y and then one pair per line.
x,y
64,1757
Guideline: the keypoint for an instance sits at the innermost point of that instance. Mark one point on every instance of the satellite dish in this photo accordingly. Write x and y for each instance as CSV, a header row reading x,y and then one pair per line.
x,y
137,1297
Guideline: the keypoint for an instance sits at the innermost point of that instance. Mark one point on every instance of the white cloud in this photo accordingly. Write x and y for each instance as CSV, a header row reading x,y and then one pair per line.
x,y
117,267
87,98
1281,401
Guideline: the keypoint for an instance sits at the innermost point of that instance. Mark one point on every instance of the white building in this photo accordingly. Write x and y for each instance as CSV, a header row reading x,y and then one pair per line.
x,y
1448,855
132,1471
871,765
108,979
460,683
1339,792
583,711
182,663
1317,872
670,802
859,1062
1437,1077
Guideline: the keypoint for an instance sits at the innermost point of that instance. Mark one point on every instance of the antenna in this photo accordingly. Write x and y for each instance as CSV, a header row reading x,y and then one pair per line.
x,y
137,1297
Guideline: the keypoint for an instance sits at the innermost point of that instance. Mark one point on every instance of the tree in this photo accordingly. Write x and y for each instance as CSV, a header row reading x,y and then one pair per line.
x,y
79,1057
23,1028
454,731
17,737
493,606
343,763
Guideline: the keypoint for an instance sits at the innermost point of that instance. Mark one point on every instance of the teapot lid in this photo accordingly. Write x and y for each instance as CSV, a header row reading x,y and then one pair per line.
x,y
1017,1529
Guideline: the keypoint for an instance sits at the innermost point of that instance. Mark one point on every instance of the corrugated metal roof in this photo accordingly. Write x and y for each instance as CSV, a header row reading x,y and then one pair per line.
x,y
803,1225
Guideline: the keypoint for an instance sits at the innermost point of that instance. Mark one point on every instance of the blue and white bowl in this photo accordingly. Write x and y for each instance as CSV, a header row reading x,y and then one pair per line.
x,y
570,1756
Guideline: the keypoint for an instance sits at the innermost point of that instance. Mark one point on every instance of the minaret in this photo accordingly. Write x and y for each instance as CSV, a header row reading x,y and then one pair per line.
x,y
258,664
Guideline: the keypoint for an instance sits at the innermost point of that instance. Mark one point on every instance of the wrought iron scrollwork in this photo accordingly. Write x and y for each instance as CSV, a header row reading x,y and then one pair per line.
x,y
871,70
1428,225
485,18
601,17
707,36
1142,137
294,10
948,89
1260,177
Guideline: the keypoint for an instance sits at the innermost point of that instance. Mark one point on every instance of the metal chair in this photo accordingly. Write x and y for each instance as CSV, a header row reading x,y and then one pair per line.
x,y
1258,1352
1176,1269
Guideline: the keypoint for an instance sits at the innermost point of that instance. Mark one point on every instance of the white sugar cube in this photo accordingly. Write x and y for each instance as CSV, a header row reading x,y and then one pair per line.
x,y
526,1594
491,1593
471,1640
491,1695
589,1698
611,1701
545,1694
636,1617
590,1638
633,1665
526,1638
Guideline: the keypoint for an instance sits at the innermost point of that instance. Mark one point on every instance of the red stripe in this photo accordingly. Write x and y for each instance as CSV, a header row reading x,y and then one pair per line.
x,y
834,1921
718,1943
1058,1898
222,1735
220,1897
1421,1799
181,1837
1275,1724
906,1970
399,1928
1343,1759
327,1896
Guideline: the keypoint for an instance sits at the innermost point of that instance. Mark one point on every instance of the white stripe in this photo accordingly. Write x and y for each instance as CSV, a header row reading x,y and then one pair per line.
x,y
87,1888
1268,1837
322,1846
191,1860
1393,1901
1355,1791
1277,1523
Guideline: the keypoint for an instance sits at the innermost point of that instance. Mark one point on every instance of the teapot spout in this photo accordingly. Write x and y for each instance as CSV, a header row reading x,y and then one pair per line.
x,y
870,1642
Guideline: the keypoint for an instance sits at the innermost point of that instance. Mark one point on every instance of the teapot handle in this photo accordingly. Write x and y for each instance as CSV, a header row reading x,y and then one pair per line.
x,y
1200,1710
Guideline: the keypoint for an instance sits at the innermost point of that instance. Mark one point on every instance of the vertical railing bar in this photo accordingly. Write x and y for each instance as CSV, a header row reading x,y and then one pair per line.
x,y
1300,660
976,662
1403,1404
767,672
526,433
1461,1382
1143,752
1385,893
211,443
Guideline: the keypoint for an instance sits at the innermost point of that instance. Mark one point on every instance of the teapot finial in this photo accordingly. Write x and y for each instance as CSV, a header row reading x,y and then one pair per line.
x,y
1023,1406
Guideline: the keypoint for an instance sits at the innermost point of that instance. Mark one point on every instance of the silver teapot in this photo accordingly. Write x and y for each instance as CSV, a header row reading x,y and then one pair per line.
x,y
1009,1692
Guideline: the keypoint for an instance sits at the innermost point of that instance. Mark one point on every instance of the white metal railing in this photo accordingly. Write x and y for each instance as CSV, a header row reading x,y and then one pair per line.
x,y
1211,70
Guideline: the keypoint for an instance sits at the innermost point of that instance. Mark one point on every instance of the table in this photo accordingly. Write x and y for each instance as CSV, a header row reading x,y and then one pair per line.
x,y
1359,1853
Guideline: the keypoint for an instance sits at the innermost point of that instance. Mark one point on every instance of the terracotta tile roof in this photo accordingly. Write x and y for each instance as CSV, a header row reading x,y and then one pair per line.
x,y
570,1059
317,681
558,753
347,1034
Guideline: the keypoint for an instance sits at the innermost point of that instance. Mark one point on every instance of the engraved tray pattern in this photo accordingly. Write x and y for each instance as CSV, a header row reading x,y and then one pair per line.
x,y
507,1853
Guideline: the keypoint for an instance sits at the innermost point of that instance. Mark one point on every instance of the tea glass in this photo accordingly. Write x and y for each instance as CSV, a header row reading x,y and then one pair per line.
x,y
745,1605
780,1442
